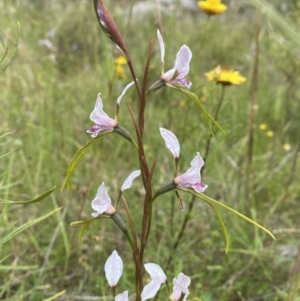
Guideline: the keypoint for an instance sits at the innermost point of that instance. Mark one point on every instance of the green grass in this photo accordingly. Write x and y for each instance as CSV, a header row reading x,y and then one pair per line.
x,y
46,106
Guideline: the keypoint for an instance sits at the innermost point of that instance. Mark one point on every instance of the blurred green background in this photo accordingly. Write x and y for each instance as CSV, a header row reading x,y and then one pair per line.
x,y
46,95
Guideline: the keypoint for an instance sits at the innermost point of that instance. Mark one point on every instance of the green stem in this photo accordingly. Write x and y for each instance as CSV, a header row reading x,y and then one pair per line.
x,y
191,205
122,226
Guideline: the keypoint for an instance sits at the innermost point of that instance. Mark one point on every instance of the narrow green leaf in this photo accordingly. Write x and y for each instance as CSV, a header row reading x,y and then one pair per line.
x,y
77,157
82,230
84,224
197,101
2,136
4,55
35,200
77,223
55,296
18,267
26,225
214,202
222,226
14,52
7,154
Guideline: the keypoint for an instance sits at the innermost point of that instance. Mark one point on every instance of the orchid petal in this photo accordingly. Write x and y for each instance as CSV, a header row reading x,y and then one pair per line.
x,y
113,269
150,290
181,284
161,46
124,91
128,182
102,121
171,141
122,297
182,82
182,63
192,178
155,272
102,202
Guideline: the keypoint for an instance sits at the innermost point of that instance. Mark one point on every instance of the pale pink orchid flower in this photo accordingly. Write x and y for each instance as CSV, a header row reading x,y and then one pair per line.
x,y
102,121
181,284
128,181
176,76
122,297
102,202
171,141
113,269
158,277
192,178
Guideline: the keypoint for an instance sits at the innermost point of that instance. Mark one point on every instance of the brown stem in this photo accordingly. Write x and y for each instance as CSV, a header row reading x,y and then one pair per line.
x,y
136,255
129,63
144,91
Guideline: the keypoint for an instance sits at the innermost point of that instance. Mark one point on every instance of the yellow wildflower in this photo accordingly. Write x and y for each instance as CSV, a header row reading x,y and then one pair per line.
x,y
225,76
263,126
212,7
120,72
120,60
287,147
270,133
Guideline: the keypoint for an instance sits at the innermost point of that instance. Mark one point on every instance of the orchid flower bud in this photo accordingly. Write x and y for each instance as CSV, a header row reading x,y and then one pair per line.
x,y
113,269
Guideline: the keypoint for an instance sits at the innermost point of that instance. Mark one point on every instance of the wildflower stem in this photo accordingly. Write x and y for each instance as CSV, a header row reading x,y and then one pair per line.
x,y
144,91
208,141
135,253
191,205
129,63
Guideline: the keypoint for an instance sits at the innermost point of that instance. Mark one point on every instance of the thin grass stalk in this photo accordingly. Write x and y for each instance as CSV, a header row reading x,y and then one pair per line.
x,y
252,108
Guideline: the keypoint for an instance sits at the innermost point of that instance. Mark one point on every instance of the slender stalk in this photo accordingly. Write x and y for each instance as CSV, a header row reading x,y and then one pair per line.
x,y
129,18
191,205
129,63
208,141
138,268
252,106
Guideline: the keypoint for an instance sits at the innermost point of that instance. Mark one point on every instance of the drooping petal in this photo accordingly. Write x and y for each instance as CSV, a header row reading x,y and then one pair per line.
x,y
191,178
122,297
128,182
182,63
161,46
102,202
124,91
150,290
155,272
171,141
113,269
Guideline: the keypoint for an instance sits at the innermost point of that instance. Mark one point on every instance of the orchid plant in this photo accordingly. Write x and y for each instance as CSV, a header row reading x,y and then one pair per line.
x,y
187,182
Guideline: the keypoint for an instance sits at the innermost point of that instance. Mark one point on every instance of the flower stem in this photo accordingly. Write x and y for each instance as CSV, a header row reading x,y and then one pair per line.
x,y
191,205
135,253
